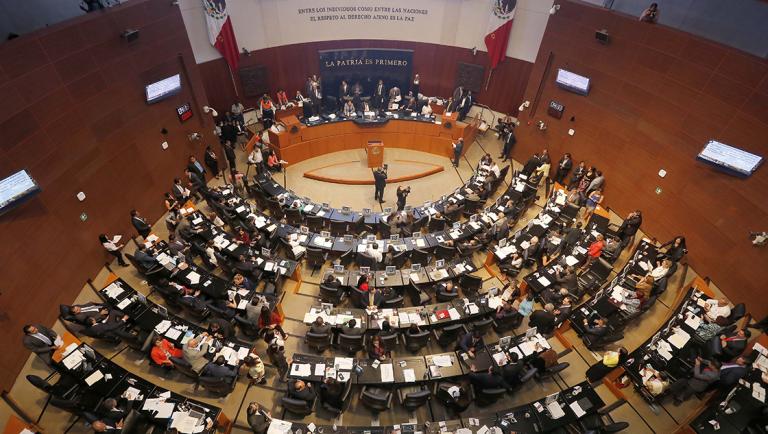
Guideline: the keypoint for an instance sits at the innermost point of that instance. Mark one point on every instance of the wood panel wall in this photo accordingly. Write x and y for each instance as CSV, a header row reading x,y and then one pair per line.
x,y
658,95
73,114
288,67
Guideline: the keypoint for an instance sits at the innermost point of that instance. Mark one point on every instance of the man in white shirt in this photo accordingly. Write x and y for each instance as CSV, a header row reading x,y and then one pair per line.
x,y
426,110
237,111
256,158
373,250
716,308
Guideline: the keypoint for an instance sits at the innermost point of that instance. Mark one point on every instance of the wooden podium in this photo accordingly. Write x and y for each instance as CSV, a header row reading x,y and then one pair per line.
x,y
375,151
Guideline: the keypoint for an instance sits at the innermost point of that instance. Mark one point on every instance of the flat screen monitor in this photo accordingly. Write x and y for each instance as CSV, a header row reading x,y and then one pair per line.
x,y
573,82
732,160
15,189
163,88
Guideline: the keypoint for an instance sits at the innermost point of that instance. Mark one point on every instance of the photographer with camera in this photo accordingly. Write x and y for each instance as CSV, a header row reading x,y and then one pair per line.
x,y
402,194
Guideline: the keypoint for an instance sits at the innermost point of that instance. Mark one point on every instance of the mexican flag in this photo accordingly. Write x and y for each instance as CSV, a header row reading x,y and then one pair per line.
x,y
220,31
499,26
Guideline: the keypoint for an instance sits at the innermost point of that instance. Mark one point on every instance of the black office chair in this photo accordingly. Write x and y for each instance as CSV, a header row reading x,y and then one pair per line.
x,y
344,400
594,422
483,325
248,328
413,398
393,302
350,343
419,256
318,341
449,335
338,229
414,343
347,257
293,216
469,251
445,252
390,343
384,229
220,386
365,260
359,298
375,398
455,215
316,224
597,273
442,296
470,284
198,312
416,295
298,407
315,258
399,259
507,323
737,312
485,397
436,225
330,294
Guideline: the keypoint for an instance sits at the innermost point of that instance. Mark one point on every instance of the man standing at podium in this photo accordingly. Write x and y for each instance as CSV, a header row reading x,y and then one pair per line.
x,y
380,181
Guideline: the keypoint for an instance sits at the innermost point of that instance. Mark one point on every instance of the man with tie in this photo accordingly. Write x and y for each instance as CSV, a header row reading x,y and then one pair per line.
x,y
140,224
509,142
180,193
458,94
379,95
731,373
42,341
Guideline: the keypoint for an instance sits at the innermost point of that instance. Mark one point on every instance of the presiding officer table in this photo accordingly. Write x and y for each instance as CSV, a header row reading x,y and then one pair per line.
x,y
434,135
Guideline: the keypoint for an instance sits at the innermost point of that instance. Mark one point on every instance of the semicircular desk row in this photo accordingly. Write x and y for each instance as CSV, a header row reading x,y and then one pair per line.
x,y
432,134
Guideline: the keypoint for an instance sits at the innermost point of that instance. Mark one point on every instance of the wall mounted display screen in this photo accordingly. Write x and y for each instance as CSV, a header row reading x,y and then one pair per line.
x,y
573,82
733,160
163,88
15,189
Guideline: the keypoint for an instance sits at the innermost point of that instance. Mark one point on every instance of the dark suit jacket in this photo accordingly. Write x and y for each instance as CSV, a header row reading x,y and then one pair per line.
x,y
82,317
36,345
194,169
484,380
380,179
308,394
258,422
542,320
511,372
113,322
730,376
321,330
218,371
141,226
178,192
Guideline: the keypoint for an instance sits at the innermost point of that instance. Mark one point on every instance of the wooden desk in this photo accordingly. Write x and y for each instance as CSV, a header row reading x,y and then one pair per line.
x,y
309,142
15,425
68,339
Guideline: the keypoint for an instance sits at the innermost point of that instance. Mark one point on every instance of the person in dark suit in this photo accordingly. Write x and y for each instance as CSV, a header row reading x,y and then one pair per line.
x,y
111,324
568,280
572,237
734,344
563,168
380,181
578,174
81,312
379,95
472,342
486,380
596,330
219,369
140,224
509,143
543,320
320,327
180,193
458,94
402,194
350,328
629,228
301,390
683,388
196,184
229,152
40,340
466,103
144,258
531,165
513,370
195,166
458,146
259,418
212,161
731,373
110,411
220,328
331,392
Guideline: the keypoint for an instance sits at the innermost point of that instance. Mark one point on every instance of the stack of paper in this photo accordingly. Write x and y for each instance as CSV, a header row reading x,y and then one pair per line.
x,y
113,290
301,369
344,363
387,373
409,375
679,338
442,360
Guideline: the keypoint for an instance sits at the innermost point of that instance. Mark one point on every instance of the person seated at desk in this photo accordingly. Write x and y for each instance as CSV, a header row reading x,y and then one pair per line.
x,y
111,412
176,246
162,352
242,236
245,265
240,281
553,295
270,320
524,304
41,340
532,253
512,372
103,426
331,281
612,247
144,257
543,320
599,329
426,108
253,367
505,310
572,236
610,360
81,312
220,328
259,418
632,301
655,382
715,309
191,299
644,286
349,109
386,329
413,330
543,359
219,369
512,264
376,351
472,342
734,344
486,380
732,372
447,287
372,249
362,283
194,352
215,219
683,388
350,328
298,389
109,324
320,327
